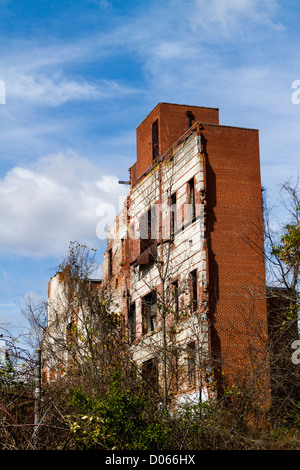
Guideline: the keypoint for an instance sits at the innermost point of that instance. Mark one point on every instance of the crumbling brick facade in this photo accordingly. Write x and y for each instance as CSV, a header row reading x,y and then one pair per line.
x,y
180,260
210,175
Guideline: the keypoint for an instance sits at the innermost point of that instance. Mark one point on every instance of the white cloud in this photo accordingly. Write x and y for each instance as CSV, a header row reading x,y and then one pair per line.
x,y
57,197
233,15
50,91
43,74
44,207
56,89
169,50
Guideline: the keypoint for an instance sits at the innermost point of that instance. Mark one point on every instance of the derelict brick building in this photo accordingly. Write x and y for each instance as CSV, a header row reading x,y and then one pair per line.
x,y
195,209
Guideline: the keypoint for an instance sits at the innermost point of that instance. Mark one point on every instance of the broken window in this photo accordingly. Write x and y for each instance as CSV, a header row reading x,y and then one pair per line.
x,y
147,229
149,307
155,143
176,297
173,215
132,322
190,117
150,372
191,199
110,264
194,290
191,363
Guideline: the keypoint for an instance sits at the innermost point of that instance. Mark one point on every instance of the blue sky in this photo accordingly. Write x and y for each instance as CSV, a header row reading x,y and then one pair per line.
x,y
79,76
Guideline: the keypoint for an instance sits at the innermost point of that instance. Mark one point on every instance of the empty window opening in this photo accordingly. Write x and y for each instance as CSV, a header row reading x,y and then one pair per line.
x,y
191,199
190,117
191,363
147,229
175,298
155,142
173,215
132,322
150,372
149,307
110,263
194,290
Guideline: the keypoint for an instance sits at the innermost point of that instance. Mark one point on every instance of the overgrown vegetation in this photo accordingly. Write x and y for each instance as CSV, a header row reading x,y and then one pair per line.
x,y
99,401
129,419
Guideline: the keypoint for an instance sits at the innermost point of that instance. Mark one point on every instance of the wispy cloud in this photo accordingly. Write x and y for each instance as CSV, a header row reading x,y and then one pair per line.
x,y
53,74
177,48
50,91
228,17
56,89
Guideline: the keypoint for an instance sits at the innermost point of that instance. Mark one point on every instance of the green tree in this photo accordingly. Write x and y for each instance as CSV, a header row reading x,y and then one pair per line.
x,y
286,251
283,243
289,248
283,263
124,418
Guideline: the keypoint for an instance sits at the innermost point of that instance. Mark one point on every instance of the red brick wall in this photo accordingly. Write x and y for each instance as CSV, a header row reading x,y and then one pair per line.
x,y
173,123
234,210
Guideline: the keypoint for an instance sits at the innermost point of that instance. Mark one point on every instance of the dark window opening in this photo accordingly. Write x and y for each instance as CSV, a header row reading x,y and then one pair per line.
x,y
176,297
155,142
149,307
190,117
191,199
191,363
173,215
110,264
132,322
147,229
150,372
194,293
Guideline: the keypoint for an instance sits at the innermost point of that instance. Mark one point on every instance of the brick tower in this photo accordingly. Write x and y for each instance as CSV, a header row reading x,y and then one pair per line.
x,y
195,188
